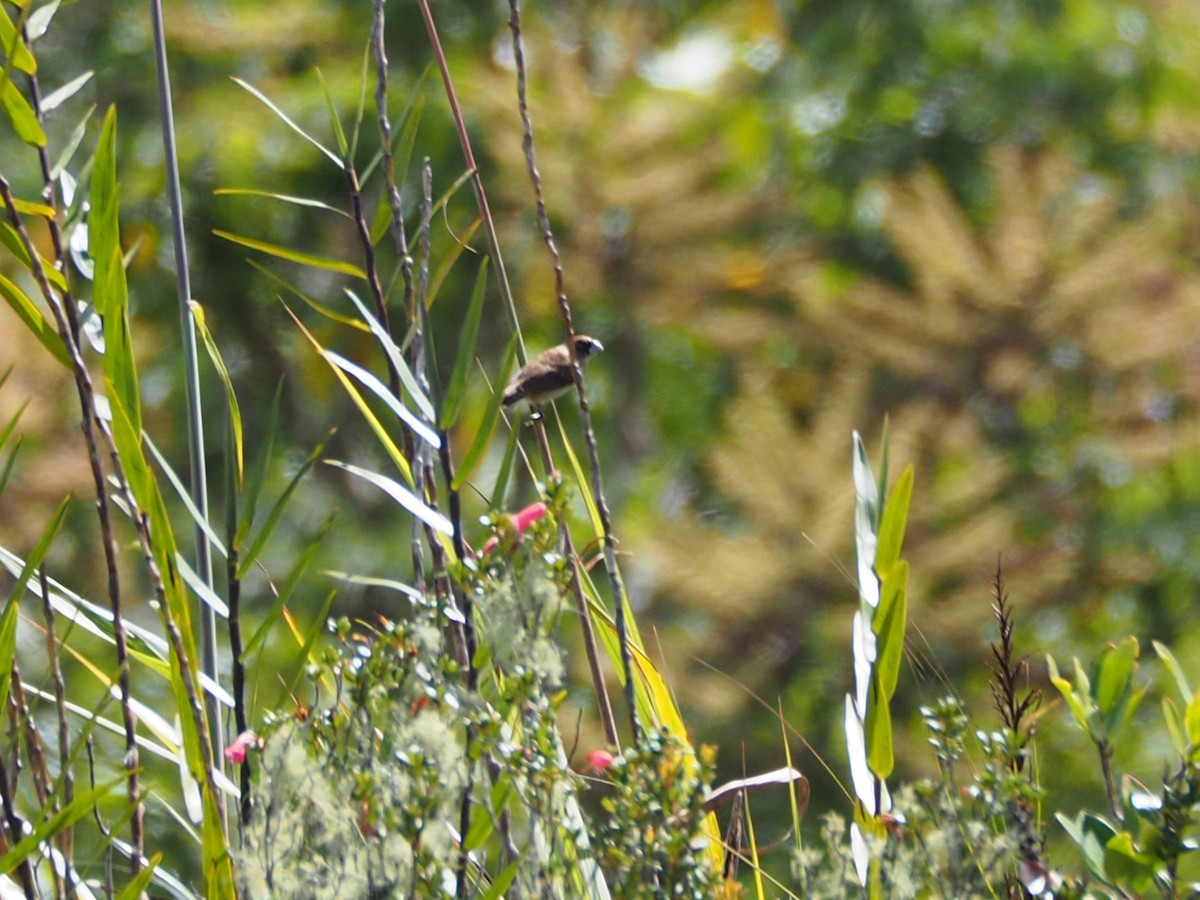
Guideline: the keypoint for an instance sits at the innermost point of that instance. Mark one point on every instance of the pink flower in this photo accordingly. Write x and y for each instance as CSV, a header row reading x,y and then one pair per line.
x,y
598,762
520,522
236,752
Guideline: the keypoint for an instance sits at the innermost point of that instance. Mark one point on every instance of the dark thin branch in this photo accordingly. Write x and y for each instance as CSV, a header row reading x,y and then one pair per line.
x,y
68,330
65,837
489,226
610,558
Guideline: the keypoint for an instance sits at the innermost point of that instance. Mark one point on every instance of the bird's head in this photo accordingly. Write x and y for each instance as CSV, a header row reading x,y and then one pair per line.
x,y
585,346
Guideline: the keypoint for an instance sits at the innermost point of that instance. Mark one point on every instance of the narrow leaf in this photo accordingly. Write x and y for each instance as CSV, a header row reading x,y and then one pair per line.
x,y
465,359
8,618
334,121
232,407
401,495
889,625
262,98
419,397
257,542
31,316
891,527
20,114
14,48
380,390
303,561
258,474
487,426
283,198
184,495
385,439
305,259
66,92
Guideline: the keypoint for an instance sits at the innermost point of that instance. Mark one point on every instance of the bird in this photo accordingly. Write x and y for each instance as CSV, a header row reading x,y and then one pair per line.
x,y
548,375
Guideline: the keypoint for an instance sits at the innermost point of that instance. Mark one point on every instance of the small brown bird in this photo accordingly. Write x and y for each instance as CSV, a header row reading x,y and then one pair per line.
x,y
548,375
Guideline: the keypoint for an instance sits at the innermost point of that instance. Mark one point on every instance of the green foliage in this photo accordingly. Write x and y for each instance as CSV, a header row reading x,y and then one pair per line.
x,y
651,832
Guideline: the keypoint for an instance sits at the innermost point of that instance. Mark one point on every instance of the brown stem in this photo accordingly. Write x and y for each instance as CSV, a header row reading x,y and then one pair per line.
x,y
64,316
610,556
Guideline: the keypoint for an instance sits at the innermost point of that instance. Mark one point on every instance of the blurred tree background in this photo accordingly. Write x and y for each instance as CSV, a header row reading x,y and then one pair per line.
x,y
784,221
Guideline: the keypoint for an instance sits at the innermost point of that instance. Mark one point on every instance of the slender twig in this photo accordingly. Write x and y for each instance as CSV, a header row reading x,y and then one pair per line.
x,y
68,329
15,830
489,226
241,720
610,557
389,161
485,212
65,837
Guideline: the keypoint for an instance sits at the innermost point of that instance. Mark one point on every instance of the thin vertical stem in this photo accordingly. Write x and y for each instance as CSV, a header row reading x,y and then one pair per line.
x,y
198,477
489,227
63,312
610,556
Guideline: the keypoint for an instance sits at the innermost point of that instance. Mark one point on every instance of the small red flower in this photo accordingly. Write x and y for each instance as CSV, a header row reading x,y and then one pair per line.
x,y
598,762
520,522
247,740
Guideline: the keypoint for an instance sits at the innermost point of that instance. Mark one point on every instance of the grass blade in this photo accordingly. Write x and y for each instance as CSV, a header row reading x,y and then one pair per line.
x,y
487,427
305,259
401,495
260,538
265,101
463,362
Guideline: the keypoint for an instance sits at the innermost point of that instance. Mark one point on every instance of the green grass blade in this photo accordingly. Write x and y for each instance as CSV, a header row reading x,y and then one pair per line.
x,y
331,314
462,243
334,121
487,427
138,884
268,527
380,390
891,528
305,259
8,619
82,805
258,474
72,144
283,117
385,440
282,198
419,397
464,360
20,114
13,243
303,561
499,496
232,407
206,594
15,50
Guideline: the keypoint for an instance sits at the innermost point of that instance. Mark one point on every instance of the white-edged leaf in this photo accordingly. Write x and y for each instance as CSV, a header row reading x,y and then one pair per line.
x,y
380,390
401,495
856,750
265,101
186,496
386,583
201,590
66,92
393,352
191,788
143,743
